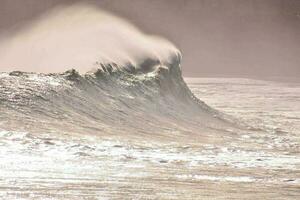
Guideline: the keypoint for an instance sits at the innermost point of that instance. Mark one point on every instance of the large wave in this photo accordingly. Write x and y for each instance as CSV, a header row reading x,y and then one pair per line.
x,y
110,101
136,90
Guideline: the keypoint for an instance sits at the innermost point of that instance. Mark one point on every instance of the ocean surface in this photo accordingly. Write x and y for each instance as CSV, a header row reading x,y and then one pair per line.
x,y
66,136
125,124
269,105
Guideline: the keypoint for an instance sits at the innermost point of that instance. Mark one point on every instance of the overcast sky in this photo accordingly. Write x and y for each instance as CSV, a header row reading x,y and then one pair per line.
x,y
255,38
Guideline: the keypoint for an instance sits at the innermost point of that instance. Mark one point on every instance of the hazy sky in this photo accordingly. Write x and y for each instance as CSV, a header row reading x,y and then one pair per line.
x,y
217,37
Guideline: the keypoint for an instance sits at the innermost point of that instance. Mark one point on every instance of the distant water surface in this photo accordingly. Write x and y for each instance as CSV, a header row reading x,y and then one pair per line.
x,y
265,104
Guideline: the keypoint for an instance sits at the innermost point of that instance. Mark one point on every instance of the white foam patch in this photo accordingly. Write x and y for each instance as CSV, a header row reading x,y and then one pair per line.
x,y
45,80
26,144
245,179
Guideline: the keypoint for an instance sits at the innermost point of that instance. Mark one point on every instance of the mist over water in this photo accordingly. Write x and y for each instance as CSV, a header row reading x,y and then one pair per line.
x,y
79,36
218,38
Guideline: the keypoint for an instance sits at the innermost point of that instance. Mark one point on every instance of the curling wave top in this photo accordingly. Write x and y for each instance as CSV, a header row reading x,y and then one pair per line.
x,y
81,36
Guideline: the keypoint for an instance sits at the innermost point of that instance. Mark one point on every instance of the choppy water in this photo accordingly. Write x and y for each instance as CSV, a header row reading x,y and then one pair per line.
x,y
261,162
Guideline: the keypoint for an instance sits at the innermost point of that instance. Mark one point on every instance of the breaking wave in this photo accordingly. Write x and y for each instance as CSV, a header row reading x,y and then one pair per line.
x,y
125,83
150,100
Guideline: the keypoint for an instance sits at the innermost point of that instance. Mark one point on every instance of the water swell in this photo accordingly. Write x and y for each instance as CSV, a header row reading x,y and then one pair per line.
x,y
148,100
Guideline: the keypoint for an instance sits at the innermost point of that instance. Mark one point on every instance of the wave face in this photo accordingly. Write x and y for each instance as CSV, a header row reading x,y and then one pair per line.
x,y
152,102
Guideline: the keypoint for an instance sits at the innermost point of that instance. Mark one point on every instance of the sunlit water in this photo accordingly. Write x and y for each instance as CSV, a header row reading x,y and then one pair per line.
x,y
263,163
264,104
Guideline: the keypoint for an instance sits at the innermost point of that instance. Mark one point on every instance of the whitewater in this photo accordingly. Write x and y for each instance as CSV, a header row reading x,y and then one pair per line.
x,y
124,124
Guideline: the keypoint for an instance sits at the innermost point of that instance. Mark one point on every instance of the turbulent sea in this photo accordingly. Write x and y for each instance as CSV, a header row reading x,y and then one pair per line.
x,y
118,134
126,125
